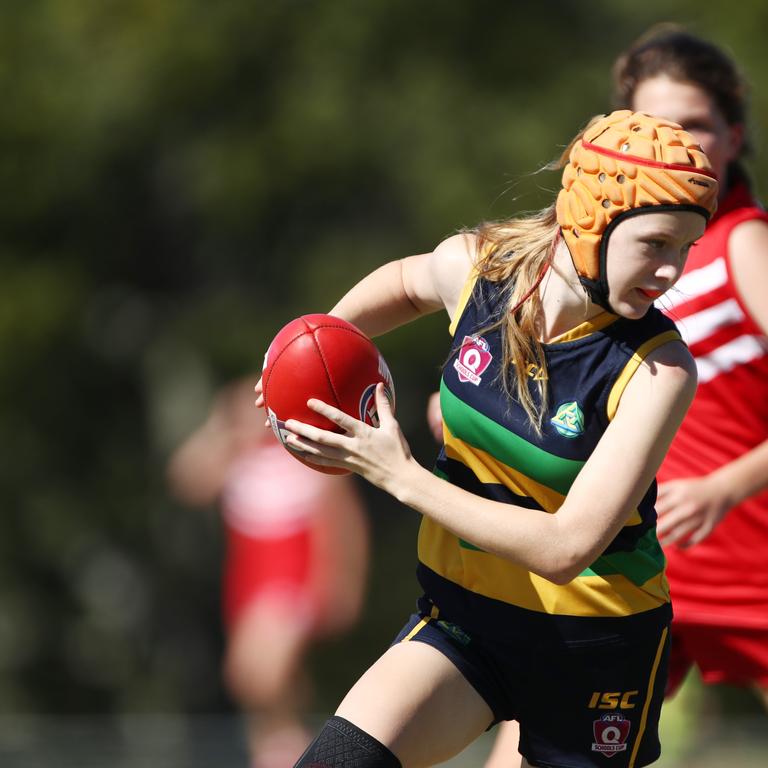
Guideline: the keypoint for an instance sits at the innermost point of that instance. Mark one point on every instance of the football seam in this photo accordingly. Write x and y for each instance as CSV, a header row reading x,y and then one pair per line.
x,y
323,358
274,362
325,361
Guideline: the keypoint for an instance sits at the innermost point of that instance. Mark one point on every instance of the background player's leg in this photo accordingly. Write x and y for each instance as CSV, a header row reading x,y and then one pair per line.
x,y
264,672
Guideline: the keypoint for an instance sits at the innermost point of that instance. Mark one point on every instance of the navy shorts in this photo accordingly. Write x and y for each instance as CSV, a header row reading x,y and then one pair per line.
x,y
587,693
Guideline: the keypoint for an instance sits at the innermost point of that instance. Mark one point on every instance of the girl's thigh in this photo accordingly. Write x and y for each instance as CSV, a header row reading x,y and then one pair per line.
x,y
417,703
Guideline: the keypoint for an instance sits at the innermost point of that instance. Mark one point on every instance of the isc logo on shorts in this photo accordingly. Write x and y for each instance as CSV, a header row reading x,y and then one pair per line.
x,y
613,700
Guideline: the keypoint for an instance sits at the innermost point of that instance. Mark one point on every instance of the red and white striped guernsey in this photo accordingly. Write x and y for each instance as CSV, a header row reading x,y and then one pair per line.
x,y
724,579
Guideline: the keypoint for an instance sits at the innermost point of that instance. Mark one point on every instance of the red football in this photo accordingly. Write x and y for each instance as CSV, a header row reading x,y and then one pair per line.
x,y
324,357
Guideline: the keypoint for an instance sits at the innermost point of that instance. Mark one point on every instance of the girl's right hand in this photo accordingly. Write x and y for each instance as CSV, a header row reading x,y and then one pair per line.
x,y
258,389
379,454
259,401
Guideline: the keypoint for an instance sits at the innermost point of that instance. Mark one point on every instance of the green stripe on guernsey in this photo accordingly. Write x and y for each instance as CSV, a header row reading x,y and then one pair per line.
x,y
439,473
643,563
476,429
462,543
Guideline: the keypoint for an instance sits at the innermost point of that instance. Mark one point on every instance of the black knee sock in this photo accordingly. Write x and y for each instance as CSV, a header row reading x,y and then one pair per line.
x,y
340,744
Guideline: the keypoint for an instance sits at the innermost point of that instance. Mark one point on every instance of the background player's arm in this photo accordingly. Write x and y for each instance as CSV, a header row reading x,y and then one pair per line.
x,y
197,468
689,509
341,534
748,253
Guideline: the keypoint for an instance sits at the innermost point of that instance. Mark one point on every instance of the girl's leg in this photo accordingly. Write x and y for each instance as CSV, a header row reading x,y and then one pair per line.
x,y
504,753
416,703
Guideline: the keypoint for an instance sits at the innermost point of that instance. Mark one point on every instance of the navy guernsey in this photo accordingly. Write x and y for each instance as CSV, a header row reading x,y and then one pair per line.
x,y
588,369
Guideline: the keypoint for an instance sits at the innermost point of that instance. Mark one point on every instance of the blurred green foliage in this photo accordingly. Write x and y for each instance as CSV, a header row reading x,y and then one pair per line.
x,y
179,179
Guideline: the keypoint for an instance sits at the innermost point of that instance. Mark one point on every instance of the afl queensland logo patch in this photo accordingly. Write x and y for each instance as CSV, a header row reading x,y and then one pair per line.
x,y
368,412
569,420
473,358
611,732
367,405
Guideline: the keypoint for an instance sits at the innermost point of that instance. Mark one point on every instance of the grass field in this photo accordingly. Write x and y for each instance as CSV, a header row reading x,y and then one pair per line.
x,y
169,741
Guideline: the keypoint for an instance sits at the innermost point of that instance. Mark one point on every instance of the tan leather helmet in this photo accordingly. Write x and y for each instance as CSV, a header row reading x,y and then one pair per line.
x,y
624,163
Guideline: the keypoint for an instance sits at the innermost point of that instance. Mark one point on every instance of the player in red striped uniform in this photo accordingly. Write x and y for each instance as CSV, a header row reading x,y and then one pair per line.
x,y
294,570
713,502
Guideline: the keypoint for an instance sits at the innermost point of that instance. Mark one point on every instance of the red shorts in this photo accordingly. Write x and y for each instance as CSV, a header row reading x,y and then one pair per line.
x,y
731,655
278,569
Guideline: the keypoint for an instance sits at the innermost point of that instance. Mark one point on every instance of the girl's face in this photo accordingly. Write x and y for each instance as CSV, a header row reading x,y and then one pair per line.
x,y
646,256
693,108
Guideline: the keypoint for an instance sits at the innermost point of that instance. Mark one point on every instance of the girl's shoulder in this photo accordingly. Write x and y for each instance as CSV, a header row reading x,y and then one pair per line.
x,y
461,248
453,265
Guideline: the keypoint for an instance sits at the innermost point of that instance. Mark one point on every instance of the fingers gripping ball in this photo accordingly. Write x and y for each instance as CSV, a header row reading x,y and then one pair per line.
x,y
324,357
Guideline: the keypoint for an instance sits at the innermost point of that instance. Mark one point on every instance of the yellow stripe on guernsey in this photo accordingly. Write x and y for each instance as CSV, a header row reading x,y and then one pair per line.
x,y
487,470
617,390
466,292
497,578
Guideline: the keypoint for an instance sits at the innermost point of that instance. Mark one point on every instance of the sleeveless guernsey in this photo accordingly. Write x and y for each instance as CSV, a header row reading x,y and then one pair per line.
x,y
491,450
723,580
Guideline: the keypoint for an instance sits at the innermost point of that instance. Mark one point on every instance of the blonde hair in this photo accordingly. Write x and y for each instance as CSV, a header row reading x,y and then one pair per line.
x,y
513,254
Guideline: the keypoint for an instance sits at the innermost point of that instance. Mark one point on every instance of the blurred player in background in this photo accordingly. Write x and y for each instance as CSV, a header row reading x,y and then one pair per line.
x,y
295,566
712,502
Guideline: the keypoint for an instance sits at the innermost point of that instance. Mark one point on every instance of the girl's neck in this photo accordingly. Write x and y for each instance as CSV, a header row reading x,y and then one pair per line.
x,y
564,303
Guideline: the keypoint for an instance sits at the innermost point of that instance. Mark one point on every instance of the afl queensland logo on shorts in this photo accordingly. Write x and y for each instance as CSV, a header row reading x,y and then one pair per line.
x,y
473,358
611,732
368,412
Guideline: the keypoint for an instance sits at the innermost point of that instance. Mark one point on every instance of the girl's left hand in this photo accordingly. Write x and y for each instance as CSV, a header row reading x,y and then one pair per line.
x,y
379,454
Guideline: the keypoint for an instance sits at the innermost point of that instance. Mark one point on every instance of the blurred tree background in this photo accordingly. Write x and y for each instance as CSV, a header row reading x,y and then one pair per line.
x,y
179,178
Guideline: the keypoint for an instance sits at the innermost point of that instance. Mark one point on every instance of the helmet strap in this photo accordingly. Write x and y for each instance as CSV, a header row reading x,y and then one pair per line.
x,y
598,290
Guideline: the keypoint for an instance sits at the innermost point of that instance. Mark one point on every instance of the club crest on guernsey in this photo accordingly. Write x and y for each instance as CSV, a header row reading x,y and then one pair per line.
x,y
473,359
569,420
611,732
